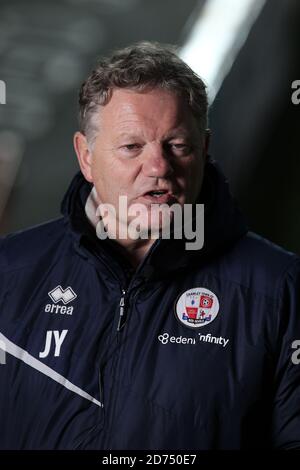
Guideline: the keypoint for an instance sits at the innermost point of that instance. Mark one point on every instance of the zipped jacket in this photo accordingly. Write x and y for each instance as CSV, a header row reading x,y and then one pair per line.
x,y
195,349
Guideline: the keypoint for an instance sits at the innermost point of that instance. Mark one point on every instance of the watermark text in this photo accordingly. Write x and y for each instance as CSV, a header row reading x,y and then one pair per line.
x,y
296,94
296,354
141,222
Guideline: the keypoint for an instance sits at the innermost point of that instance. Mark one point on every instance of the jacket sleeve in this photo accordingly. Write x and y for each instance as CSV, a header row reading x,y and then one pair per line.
x,y
286,405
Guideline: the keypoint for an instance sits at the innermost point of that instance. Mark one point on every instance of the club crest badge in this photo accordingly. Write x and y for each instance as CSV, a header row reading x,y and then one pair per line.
x,y
197,307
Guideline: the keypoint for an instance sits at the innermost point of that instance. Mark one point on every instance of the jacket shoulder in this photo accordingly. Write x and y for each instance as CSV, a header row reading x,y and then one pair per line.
x,y
25,247
261,264
261,250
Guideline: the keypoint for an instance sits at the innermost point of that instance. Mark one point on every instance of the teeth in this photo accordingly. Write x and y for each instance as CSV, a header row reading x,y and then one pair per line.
x,y
156,193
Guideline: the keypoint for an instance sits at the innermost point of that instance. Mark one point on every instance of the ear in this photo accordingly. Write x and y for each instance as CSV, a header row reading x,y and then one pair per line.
x,y
84,155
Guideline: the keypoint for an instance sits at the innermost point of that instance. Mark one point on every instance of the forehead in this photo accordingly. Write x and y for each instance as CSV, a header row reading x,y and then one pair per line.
x,y
157,109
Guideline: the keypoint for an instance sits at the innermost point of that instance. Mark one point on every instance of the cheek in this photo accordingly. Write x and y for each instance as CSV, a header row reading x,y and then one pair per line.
x,y
191,171
193,178
196,176
102,170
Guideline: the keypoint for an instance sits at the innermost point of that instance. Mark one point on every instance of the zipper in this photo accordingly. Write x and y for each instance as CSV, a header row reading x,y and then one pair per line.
x,y
123,305
122,311
126,293
122,318
121,323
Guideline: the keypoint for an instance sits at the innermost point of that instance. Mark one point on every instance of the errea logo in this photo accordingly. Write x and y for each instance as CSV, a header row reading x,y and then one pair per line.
x,y
58,294
65,295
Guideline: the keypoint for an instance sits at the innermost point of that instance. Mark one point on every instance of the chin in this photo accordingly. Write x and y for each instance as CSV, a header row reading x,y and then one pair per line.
x,y
150,223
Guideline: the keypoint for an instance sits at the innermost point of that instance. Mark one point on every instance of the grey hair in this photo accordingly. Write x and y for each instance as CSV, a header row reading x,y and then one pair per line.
x,y
139,67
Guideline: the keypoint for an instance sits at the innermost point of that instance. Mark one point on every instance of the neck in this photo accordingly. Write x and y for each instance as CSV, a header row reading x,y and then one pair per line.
x,y
135,250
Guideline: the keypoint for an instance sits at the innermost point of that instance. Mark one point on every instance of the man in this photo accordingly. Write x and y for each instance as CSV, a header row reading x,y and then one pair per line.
x,y
141,341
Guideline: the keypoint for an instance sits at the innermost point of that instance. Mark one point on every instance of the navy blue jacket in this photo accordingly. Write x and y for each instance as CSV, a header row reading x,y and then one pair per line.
x,y
193,350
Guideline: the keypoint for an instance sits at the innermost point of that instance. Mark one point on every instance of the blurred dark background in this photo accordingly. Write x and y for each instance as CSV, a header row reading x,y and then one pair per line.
x,y
46,50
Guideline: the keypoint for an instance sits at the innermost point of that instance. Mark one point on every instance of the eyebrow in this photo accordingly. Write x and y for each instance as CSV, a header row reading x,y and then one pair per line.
x,y
179,133
127,135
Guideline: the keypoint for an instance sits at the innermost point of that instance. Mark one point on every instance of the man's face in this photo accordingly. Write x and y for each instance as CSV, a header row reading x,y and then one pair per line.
x,y
149,149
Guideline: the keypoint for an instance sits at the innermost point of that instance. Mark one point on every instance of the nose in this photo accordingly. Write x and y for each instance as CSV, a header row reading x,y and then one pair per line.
x,y
156,163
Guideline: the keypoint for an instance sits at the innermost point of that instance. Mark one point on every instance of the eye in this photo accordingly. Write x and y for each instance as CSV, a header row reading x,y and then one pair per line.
x,y
179,146
130,150
131,146
179,149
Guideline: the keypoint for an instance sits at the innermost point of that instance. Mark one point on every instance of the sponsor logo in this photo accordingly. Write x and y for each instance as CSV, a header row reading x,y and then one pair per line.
x,y
165,338
61,295
197,307
213,339
51,308
65,295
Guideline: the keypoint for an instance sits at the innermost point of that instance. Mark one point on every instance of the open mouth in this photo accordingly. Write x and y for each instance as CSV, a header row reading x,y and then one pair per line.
x,y
161,196
157,193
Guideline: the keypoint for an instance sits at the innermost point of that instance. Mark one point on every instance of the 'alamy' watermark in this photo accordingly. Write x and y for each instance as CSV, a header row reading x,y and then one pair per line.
x,y
141,222
295,358
2,92
296,94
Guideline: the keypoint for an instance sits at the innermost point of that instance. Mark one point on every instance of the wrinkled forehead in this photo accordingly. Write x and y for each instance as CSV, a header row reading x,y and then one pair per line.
x,y
157,110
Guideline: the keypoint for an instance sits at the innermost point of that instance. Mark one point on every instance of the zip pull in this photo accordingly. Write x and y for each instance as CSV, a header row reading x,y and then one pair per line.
x,y
122,311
